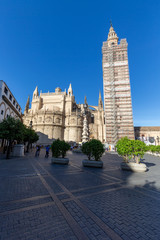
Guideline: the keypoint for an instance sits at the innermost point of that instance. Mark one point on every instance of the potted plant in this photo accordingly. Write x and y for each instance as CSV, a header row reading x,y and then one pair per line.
x,y
59,149
94,150
132,151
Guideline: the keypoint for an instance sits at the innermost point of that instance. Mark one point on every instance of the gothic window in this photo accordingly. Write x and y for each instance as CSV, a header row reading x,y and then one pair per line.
x,y
6,91
10,97
92,118
14,102
1,112
123,57
119,57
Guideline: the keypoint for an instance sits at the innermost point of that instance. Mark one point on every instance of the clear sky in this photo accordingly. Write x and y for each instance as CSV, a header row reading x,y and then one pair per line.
x,y
52,43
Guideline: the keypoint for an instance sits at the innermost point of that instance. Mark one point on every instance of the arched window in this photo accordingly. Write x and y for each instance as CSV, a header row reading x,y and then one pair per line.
x,y
92,118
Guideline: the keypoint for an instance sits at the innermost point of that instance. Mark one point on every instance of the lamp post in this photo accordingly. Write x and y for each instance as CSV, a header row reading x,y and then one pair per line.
x,y
158,140
85,124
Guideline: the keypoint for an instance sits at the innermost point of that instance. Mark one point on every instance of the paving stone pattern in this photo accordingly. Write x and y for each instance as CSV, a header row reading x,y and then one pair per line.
x,y
43,201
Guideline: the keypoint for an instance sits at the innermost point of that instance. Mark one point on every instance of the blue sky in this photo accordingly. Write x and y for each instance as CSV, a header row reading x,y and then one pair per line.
x,y
54,43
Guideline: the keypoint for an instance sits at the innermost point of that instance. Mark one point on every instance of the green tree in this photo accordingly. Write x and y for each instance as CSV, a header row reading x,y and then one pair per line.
x,y
86,149
56,148
138,149
93,148
158,149
124,148
97,149
30,136
11,129
64,147
59,148
152,148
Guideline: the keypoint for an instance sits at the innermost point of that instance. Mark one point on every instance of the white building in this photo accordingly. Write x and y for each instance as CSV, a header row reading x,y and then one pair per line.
x,y
8,104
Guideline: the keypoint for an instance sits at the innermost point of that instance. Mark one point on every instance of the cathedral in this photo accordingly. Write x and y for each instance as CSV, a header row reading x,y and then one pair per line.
x,y
56,115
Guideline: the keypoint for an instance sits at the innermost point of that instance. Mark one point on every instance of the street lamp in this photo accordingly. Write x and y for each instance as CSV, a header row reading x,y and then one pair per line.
x,y
158,140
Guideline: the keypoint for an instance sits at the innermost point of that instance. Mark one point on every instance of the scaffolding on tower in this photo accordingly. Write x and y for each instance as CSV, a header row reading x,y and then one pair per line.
x,y
114,127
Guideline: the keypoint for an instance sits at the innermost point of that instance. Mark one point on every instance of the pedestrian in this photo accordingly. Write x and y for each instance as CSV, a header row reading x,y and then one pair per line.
x,y
47,151
37,151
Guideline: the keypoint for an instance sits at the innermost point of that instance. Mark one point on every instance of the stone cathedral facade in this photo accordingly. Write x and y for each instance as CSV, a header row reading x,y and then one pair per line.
x,y
117,92
56,115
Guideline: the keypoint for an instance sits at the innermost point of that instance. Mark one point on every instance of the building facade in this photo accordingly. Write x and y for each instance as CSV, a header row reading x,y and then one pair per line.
x,y
56,115
117,92
150,135
8,104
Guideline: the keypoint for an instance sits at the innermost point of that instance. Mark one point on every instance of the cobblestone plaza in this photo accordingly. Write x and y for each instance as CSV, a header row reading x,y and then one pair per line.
x,y
43,201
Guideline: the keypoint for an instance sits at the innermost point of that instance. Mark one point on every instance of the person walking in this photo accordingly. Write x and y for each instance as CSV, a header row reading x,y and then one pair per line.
x,y
37,151
47,151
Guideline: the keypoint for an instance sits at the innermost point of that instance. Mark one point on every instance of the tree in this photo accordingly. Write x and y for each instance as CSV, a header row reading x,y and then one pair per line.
x,y
86,149
93,148
56,149
97,149
11,129
158,149
128,148
59,148
124,148
138,149
64,148
30,136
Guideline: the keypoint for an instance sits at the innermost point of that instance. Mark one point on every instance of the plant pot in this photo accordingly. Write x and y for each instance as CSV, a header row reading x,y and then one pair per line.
x,y
134,167
63,161
18,150
91,163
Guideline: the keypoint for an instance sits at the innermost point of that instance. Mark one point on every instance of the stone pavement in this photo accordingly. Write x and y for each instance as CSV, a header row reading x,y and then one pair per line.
x,y
41,201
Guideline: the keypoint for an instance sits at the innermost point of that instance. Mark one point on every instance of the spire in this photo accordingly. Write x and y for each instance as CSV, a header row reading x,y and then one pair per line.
x,y
85,100
112,36
70,91
35,93
27,105
100,103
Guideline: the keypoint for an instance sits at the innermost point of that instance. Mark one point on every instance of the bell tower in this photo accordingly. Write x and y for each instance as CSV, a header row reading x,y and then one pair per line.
x,y
116,86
